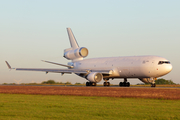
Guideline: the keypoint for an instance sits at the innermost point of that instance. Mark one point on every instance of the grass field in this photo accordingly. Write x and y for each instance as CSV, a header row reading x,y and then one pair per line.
x,y
32,107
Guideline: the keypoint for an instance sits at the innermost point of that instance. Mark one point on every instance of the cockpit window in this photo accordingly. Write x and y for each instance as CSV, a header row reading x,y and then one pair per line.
x,y
163,62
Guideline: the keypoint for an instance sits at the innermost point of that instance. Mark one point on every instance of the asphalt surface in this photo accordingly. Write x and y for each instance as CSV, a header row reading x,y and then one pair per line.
x,y
113,86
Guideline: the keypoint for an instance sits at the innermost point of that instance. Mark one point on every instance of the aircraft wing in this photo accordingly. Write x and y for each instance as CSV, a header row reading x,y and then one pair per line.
x,y
83,71
68,71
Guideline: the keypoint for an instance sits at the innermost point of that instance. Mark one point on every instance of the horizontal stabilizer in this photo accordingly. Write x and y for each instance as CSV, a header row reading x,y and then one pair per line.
x,y
58,64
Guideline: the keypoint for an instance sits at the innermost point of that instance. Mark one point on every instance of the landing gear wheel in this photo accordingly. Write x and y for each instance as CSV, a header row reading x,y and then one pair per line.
x,y
120,84
153,85
90,84
106,84
93,84
124,84
87,84
127,84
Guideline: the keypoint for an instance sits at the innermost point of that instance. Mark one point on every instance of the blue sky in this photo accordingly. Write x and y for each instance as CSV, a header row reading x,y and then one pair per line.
x,y
35,30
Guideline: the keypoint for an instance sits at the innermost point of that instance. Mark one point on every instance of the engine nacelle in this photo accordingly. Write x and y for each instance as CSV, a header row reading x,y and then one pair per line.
x,y
77,53
95,77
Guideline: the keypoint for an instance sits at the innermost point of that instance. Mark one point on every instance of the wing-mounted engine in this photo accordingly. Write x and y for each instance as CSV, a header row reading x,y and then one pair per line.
x,y
73,54
94,77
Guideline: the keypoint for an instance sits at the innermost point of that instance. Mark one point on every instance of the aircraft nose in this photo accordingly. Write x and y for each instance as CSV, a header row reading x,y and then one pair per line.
x,y
169,68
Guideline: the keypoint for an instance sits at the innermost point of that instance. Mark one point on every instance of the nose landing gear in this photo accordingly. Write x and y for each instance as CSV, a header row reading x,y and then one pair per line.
x,y
152,81
153,85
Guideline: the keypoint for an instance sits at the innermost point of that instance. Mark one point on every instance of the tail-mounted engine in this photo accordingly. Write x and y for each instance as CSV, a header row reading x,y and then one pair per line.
x,y
95,77
79,53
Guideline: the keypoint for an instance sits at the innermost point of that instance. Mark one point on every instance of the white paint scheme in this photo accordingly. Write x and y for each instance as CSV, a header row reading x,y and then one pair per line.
x,y
145,68
127,67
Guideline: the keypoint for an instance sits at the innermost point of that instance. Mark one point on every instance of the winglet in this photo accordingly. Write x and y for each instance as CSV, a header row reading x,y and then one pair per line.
x,y
8,65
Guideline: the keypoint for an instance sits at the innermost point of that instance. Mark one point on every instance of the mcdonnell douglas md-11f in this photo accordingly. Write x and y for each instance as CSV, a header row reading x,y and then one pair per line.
x,y
145,68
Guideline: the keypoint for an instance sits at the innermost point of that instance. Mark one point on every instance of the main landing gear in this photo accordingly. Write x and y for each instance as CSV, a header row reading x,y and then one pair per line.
x,y
90,84
106,84
94,84
125,83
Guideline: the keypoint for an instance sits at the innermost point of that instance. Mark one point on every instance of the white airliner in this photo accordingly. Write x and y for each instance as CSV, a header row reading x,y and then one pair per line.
x,y
145,68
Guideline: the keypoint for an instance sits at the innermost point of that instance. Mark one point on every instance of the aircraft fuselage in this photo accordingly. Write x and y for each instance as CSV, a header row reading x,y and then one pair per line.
x,y
127,67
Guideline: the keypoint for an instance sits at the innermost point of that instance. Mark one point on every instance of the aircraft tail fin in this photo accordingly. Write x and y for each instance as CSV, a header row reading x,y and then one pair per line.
x,y
72,39
75,52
